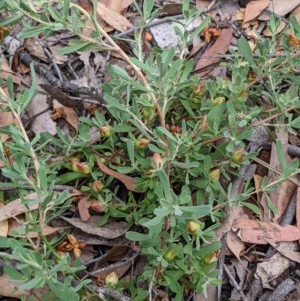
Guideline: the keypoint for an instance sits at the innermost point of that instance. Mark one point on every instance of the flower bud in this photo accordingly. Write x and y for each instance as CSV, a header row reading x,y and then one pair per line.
x,y
238,156
142,143
148,112
97,186
98,206
218,100
112,279
215,174
169,256
193,227
78,166
105,131
198,93
157,161
83,168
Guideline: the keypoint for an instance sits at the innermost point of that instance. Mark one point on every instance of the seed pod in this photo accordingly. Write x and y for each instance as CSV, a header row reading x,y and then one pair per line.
x,y
157,161
142,143
215,174
238,156
97,186
169,256
193,227
112,279
218,100
105,131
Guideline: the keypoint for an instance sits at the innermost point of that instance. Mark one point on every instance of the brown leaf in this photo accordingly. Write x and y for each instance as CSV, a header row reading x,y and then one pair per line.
x,y
16,207
9,288
116,253
126,180
117,6
71,117
6,118
103,232
232,213
83,208
254,9
280,197
298,208
262,232
287,249
234,244
36,49
119,268
280,8
6,71
221,45
3,224
112,18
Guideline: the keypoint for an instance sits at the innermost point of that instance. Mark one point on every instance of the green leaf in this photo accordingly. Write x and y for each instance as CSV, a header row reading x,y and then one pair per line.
x,y
68,177
135,236
123,128
252,207
147,8
13,273
33,283
41,29
280,153
245,50
144,67
54,14
189,212
66,5
75,45
11,20
153,222
62,291
186,165
165,184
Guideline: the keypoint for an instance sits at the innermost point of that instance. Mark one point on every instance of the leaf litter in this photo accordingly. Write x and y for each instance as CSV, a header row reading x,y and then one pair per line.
x,y
244,230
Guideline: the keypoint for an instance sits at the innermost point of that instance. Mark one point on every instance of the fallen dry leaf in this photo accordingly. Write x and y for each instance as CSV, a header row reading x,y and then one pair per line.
x,y
116,253
221,45
271,269
234,243
112,18
280,197
91,228
16,207
6,118
254,9
298,207
287,249
9,288
119,268
257,232
36,49
41,122
83,207
3,224
126,180
279,8
6,71
117,6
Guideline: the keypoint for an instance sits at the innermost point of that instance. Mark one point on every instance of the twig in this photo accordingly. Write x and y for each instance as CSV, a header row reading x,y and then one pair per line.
x,y
282,290
55,188
151,286
235,284
50,56
110,293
